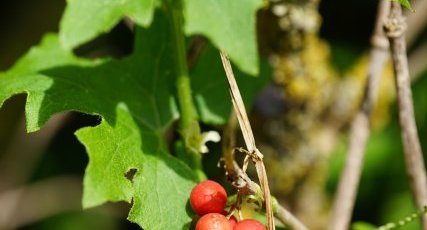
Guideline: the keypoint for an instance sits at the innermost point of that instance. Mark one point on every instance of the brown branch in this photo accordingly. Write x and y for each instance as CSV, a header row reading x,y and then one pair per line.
x,y
288,219
395,28
347,189
248,136
240,180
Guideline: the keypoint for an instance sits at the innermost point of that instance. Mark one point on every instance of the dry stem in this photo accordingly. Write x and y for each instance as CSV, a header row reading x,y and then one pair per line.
x,y
359,133
240,180
248,136
395,28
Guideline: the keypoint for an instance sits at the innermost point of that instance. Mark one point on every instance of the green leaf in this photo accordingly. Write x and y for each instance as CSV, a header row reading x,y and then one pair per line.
x,y
134,97
210,87
84,20
406,4
229,25
161,186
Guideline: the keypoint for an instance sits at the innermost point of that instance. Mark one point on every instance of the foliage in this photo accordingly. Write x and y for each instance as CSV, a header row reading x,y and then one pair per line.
x,y
135,96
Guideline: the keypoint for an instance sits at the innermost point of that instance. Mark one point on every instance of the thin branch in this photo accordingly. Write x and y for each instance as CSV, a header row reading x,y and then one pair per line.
x,y
288,219
240,180
347,189
248,136
239,107
395,28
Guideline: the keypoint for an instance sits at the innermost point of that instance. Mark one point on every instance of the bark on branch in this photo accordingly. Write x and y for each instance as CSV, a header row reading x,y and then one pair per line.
x,y
395,27
347,189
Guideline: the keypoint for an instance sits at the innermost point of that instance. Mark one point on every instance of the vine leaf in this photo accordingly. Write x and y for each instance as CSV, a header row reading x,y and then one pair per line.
x,y
134,98
229,25
84,20
210,86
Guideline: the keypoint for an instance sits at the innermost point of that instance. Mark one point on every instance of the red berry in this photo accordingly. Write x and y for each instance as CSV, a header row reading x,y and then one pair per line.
x,y
249,225
232,221
213,221
208,197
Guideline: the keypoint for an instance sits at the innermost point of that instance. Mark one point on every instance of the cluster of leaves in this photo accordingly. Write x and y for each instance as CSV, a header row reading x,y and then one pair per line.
x,y
136,96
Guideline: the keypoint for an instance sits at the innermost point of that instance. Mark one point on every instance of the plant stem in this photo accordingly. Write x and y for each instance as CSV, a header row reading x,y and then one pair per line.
x,y
395,30
185,100
359,133
241,181
254,154
189,126
288,219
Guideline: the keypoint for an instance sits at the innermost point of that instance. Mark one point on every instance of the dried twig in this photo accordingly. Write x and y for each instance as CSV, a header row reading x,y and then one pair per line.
x,y
240,180
248,136
360,128
395,29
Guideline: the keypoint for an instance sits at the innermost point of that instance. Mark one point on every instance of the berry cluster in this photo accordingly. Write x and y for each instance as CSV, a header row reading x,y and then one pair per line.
x,y
208,200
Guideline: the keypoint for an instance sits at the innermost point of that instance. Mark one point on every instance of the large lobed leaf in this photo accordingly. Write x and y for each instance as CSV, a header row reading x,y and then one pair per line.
x,y
134,97
229,25
84,20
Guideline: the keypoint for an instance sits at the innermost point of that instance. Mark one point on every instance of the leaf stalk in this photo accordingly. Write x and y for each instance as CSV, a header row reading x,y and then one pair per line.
x,y
189,126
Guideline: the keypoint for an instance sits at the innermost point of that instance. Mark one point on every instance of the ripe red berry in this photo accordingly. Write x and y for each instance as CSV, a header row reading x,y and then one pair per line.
x,y
249,225
232,221
213,221
208,197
